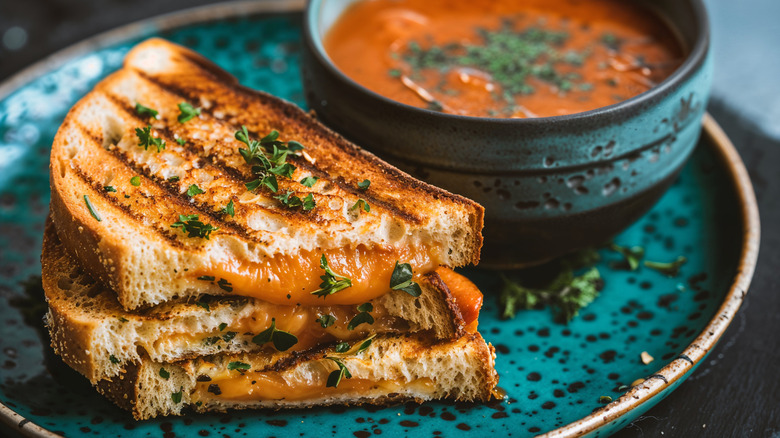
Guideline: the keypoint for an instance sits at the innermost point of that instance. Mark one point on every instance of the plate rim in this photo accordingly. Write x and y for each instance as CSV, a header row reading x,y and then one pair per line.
x,y
658,382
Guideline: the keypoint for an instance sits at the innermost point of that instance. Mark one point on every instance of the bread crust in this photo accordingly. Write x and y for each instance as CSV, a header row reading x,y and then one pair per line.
x,y
96,146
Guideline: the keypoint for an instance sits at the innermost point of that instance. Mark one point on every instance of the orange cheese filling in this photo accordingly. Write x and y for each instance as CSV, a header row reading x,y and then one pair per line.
x,y
272,386
302,321
290,280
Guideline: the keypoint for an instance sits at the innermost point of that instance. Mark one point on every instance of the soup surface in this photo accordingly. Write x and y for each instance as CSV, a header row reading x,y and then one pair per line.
x,y
503,58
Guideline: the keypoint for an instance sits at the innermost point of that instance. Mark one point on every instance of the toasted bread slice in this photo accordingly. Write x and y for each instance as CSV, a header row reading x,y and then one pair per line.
x,y
97,337
133,247
392,369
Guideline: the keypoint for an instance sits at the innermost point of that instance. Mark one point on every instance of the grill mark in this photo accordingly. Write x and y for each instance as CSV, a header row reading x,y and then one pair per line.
x,y
114,201
345,146
173,194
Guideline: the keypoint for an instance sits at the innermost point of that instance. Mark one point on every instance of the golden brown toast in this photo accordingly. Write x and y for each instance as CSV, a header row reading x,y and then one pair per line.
x,y
115,202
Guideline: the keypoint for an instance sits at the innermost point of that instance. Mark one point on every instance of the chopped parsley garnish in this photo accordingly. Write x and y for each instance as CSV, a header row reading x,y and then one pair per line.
x,y
331,282
342,347
222,326
193,190
360,202
291,201
225,285
309,181
109,188
632,256
363,317
203,304
671,269
173,178
227,337
193,227
187,112
181,141
113,359
238,366
91,209
146,139
135,181
566,294
176,396
402,280
267,157
207,278
164,374
365,344
229,209
364,184
282,340
334,378
326,320
145,111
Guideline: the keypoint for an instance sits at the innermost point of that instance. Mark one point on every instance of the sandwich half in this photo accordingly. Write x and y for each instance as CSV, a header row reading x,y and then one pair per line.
x,y
170,180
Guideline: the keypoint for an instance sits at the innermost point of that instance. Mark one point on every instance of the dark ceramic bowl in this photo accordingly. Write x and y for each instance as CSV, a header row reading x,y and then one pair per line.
x,y
549,185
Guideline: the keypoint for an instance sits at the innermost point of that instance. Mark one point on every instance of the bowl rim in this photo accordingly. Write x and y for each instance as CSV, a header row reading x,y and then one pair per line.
x,y
695,58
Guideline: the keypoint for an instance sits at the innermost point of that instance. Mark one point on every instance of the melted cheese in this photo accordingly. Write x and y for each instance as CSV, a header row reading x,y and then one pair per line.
x,y
287,279
274,386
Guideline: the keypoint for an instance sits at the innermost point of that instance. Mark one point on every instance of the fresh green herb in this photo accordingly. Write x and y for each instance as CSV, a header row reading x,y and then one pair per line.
x,y
401,279
342,347
566,294
109,188
632,256
605,399
145,111
181,141
334,378
164,374
363,317
173,178
222,326
331,282
229,209
360,202
267,157
211,340
225,285
207,278
176,396
282,340
512,58
364,184
671,269
203,304
193,190
113,359
291,201
146,139
187,112
135,181
326,320
91,209
238,366
193,227
227,337
309,181
365,344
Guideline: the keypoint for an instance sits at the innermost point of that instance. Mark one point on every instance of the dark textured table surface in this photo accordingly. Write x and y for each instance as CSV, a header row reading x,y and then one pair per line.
x,y
736,392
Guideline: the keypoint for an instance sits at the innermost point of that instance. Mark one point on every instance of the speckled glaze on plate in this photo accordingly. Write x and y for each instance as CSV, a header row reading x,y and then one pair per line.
x,y
553,374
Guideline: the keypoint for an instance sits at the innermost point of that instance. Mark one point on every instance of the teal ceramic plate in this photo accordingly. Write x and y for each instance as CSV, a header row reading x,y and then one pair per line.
x,y
553,374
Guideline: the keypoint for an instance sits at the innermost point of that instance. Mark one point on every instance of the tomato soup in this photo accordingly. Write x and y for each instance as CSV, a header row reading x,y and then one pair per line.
x,y
504,58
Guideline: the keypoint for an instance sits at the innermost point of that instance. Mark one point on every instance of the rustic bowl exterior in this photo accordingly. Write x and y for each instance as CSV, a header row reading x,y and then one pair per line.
x,y
549,185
